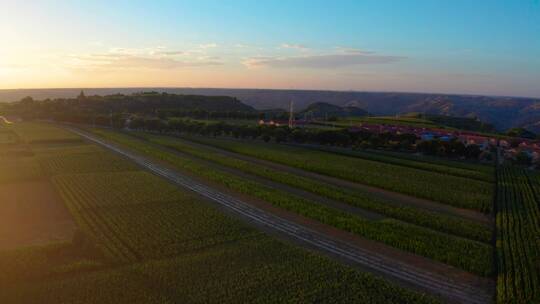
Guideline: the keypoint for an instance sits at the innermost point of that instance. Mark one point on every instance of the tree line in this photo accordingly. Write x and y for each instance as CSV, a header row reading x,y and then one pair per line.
x,y
338,137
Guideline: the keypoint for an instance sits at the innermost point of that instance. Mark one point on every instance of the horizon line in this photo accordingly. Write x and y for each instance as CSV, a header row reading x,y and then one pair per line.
x,y
280,89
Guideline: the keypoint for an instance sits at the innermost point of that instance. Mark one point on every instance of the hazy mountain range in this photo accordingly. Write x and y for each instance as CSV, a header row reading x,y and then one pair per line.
x,y
502,112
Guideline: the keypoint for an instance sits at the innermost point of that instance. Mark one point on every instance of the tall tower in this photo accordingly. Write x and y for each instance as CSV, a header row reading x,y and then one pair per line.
x,y
291,114
81,95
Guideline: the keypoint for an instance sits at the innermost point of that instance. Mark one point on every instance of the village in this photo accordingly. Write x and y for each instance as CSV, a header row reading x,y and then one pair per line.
x,y
512,148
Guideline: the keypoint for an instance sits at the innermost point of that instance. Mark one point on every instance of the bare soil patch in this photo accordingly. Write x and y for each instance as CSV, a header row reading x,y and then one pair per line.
x,y
32,213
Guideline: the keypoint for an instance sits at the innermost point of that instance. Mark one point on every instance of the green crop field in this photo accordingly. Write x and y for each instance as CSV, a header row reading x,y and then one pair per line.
x,y
466,254
32,132
455,168
19,169
441,222
124,223
451,190
518,238
245,271
84,163
485,169
143,240
7,136
390,120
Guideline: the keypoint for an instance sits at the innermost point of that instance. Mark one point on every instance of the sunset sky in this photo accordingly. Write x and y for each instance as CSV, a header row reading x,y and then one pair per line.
x,y
476,47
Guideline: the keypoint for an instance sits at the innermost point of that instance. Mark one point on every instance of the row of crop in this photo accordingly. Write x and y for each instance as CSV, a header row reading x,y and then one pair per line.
x,y
84,163
456,191
534,179
34,132
518,238
143,215
352,197
90,222
19,169
448,168
234,269
260,270
487,169
158,230
269,271
468,255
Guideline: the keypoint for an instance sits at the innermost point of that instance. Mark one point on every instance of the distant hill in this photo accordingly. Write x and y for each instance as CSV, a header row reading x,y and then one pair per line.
x,y
503,112
462,123
143,103
521,132
323,109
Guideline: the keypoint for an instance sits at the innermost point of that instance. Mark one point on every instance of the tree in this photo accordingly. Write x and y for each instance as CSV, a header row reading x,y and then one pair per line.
x,y
298,135
27,101
472,151
521,132
280,135
523,158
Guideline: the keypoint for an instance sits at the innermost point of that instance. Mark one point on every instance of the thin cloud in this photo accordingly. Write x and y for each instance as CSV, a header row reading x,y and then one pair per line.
x,y
159,63
349,50
171,53
294,46
331,61
208,46
128,61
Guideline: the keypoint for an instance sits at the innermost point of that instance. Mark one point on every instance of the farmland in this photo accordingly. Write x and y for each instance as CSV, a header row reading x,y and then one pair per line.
x,y
36,204
469,255
518,242
452,190
134,234
455,168
36,133
141,239
353,197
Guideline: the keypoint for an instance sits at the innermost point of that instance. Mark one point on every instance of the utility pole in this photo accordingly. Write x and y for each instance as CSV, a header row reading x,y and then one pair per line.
x,y
291,115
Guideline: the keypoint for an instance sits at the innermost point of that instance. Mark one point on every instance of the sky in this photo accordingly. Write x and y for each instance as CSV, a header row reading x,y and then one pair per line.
x,y
462,46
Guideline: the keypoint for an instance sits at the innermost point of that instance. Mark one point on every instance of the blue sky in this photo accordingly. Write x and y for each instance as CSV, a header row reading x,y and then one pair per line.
x,y
474,47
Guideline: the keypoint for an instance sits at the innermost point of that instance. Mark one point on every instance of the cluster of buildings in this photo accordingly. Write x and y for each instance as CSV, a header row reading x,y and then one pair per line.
x,y
510,146
531,148
467,138
281,122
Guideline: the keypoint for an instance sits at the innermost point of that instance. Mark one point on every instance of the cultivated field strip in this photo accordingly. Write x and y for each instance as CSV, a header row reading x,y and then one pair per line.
x,y
42,133
449,168
120,211
349,197
464,254
432,282
396,199
518,239
447,189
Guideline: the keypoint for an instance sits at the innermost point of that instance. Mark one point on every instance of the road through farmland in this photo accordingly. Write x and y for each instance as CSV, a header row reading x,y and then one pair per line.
x,y
451,290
